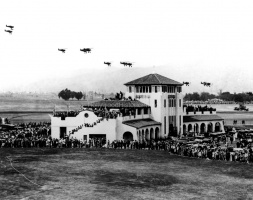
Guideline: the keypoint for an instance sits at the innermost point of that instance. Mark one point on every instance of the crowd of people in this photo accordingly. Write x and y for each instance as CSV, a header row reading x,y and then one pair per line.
x,y
39,135
66,114
213,150
198,108
85,125
104,113
210,102
26,135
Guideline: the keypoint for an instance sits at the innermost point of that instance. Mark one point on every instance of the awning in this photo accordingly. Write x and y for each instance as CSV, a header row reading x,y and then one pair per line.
x,y
140,123
197,118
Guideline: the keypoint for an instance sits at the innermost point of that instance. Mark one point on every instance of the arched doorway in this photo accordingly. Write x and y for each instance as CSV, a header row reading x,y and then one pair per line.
x,y
196,128
202,127
217,127
128,136
210,127
184,129
157,133
147,135
152,135
189,128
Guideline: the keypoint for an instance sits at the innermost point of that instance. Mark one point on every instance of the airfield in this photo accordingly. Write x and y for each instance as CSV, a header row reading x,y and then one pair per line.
x,y
37,109
80,173
119,174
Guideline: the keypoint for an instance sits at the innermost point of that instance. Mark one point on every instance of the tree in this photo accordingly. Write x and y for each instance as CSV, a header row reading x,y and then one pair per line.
x,y
195,96
64,94
72,95
238,98
78,95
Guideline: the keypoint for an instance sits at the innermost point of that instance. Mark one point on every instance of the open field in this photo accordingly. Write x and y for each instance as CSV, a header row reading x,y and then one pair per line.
x,y
119,174
8,104
36,109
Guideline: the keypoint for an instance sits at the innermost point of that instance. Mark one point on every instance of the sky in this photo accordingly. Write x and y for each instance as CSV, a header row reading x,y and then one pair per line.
x,y
211,37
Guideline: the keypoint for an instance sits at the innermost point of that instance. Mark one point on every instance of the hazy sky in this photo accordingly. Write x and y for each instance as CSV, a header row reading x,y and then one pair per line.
x,y
201,35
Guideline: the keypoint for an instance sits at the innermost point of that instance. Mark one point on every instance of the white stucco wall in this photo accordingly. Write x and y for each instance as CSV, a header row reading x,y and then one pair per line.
x,y
158,113
113,128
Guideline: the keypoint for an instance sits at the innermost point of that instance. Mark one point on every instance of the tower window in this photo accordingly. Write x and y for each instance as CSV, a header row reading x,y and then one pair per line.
x,y
155,103
179,89
164,124
164,103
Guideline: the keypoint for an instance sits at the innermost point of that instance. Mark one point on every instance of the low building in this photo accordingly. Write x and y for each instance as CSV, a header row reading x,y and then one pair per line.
x,y
152,109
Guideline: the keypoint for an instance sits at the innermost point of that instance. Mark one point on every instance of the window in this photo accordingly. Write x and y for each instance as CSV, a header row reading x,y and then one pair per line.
x,y
86,115
175,102
155,89
179,89
164,124
164,88
145,111
155,103
139,111
172,102
164,103
130,89
149,89
179,102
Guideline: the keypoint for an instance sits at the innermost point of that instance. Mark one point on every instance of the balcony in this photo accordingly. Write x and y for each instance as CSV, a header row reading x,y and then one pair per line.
x,y
132,117
198,110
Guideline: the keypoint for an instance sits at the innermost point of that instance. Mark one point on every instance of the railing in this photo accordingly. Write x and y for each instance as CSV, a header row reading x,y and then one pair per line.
x,y
132,117
200,113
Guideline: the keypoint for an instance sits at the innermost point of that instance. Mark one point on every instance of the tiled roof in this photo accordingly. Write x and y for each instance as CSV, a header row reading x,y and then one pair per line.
x,y
196,118
153,79
140,123
118,104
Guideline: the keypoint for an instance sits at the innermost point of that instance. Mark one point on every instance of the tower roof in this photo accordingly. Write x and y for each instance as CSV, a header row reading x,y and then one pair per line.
x,y
153,79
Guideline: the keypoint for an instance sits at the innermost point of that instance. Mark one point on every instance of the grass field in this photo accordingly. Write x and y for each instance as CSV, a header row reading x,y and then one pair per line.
x,y
37,104
17,109
119,174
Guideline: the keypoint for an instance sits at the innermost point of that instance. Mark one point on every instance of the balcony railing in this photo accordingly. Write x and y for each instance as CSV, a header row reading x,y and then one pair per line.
x,y
132,117
200,113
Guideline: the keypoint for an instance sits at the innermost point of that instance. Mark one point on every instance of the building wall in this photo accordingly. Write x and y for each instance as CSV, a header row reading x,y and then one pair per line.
x,y
122,128
160,111
107,127
113,128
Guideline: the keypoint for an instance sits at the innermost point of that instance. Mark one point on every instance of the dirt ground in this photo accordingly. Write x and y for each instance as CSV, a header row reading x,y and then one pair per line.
x,y
119,174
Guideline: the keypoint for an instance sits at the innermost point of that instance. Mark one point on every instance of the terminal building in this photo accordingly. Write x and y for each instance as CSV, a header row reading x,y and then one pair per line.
x,y
152,108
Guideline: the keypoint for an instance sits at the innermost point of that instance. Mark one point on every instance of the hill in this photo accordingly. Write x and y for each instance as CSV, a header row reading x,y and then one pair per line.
x,y
112,79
